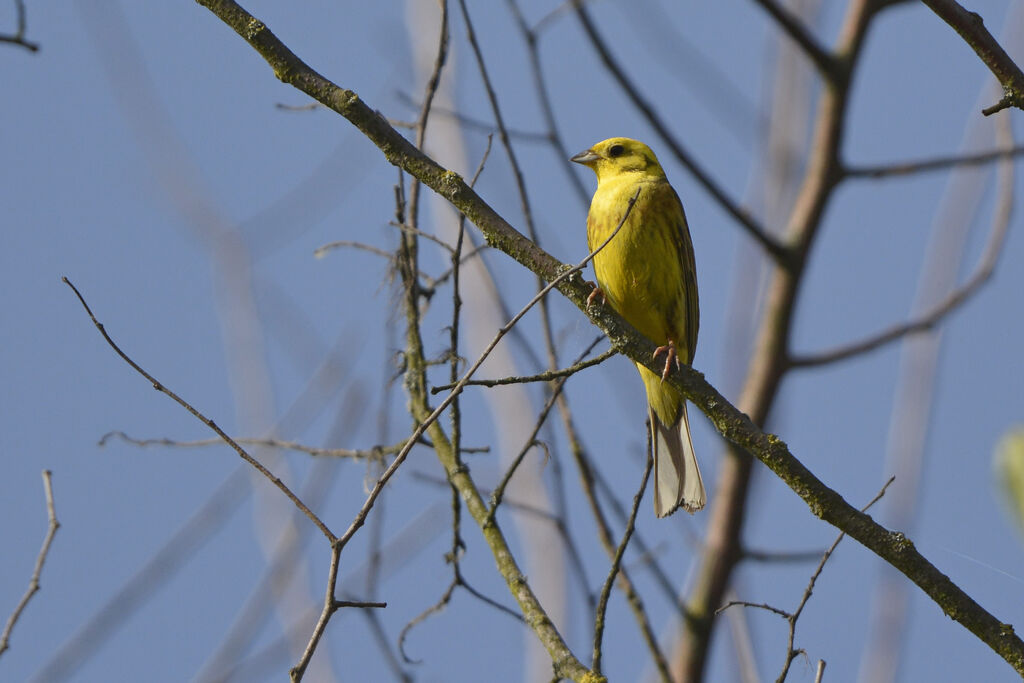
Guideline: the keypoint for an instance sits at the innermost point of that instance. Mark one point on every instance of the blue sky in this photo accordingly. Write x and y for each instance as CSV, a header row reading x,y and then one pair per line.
x,y
146,159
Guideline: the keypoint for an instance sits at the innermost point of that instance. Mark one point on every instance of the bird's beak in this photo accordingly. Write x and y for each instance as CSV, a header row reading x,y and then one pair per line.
x,y
585,157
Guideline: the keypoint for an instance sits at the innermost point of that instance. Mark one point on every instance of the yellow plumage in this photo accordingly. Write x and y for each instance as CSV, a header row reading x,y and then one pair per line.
x,y
647,274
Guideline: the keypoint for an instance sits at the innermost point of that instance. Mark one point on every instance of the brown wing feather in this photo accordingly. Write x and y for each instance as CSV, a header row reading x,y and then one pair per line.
x,y
689,297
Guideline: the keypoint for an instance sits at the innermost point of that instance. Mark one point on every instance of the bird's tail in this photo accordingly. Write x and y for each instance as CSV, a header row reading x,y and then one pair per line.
x,y
677,480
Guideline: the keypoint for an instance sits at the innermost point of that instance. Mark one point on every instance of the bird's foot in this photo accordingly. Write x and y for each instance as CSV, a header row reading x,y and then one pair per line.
x,y
594,294
670,357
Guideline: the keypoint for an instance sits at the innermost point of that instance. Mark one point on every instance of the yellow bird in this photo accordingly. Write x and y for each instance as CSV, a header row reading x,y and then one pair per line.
x,y
647,274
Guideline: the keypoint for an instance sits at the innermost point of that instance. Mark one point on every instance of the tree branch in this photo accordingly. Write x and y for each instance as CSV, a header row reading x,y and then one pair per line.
x,y
825,62
735,426
18,37
971,28
205,420
982,273
33,583
927,165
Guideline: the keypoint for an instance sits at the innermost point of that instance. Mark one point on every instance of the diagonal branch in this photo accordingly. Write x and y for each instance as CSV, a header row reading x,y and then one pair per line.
x,y
205,420
825,62
971,28
734,425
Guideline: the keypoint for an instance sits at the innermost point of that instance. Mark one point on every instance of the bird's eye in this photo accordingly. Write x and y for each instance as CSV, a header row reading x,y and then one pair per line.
x,y
616,150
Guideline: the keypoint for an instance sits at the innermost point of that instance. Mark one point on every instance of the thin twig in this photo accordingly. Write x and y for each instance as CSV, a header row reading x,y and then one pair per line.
x,y
421,617
791,652
374,452
936,164
736,426
33,582
205,420
321,251
18,37
606,590
768,557
539,377
531,440
756,605
792,617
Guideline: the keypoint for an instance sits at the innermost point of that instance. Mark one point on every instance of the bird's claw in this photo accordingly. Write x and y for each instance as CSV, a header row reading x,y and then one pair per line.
x,y
594,294
670,356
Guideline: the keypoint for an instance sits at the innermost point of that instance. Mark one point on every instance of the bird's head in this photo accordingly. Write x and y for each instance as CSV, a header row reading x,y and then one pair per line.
x,y
615,156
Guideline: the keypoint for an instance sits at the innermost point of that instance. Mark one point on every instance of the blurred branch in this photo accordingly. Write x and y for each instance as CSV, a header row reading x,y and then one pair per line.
x,y
734,425
374,452
936,164
971,28
468,122
779,557
544,99
822,172
958,297
18,37
825,62
33,582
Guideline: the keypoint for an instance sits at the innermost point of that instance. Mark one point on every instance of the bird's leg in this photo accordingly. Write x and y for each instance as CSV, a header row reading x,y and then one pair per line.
x,y
596,293
670,356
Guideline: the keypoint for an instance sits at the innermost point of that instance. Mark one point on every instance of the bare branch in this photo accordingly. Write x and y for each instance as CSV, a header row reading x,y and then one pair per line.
x,y
373,452
205,420
325,615
733,424
957,298
826,63
18,37
539,377
757,605
972,29
33,582
791,653
606,590
936,164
